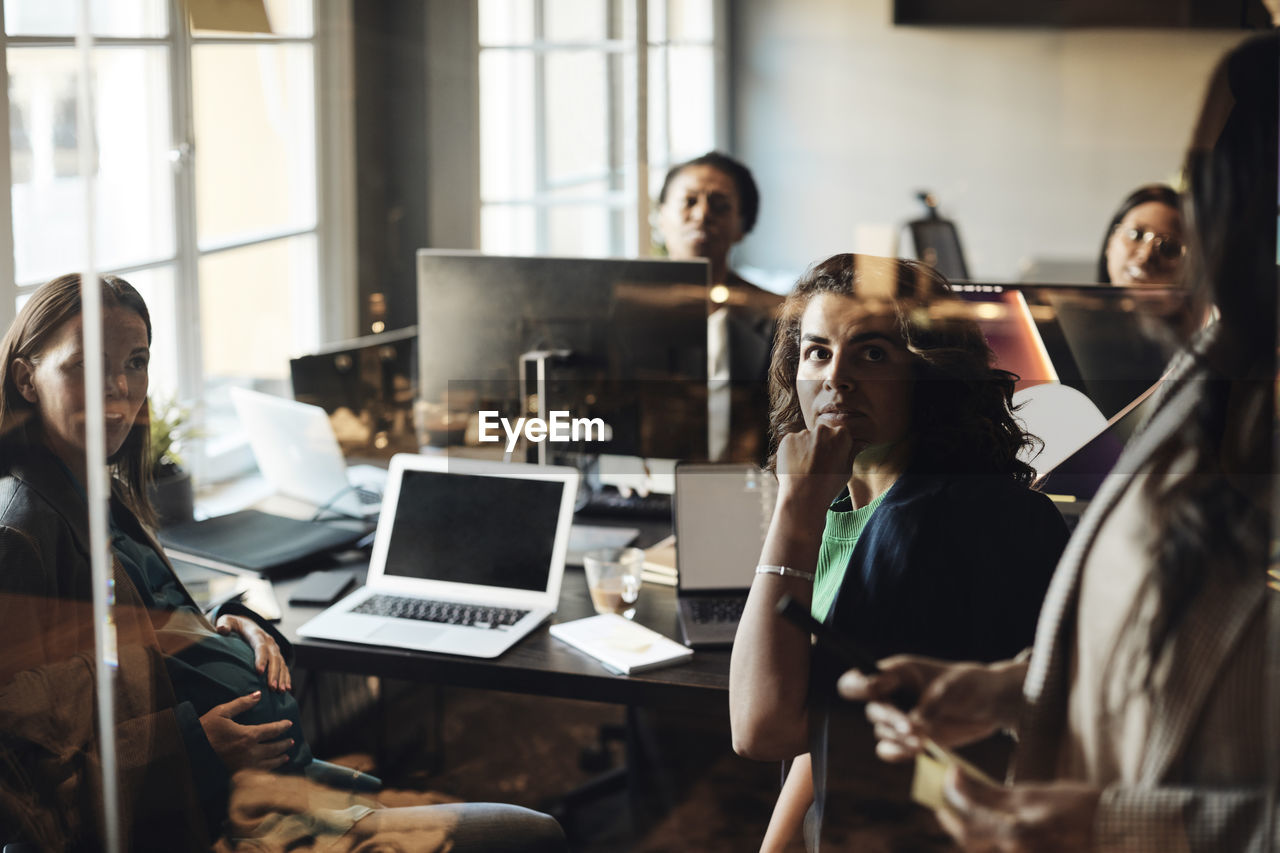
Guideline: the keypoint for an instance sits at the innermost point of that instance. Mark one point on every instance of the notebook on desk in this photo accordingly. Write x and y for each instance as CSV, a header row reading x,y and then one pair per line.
x,y
721,515
298,454
467,558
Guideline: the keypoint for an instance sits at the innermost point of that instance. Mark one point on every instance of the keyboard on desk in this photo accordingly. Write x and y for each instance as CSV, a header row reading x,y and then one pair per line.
x,y
610,503
709,610
448,612
367,497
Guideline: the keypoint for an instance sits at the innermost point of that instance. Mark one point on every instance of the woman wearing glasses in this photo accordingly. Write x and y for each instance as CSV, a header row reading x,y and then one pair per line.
x,y
1144,240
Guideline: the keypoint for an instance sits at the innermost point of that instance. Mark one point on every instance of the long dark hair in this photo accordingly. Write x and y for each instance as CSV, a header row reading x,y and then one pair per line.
x,y
52,305
961,406
1213,515
1162,193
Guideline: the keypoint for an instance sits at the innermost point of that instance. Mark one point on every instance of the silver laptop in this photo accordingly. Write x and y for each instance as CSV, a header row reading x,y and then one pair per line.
x,y
467,558
721,515
298,454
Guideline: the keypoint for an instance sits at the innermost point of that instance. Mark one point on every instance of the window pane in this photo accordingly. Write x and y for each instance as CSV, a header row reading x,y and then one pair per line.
x,y
575,20
287,18
659,138
657,21
577,115
157,288
258,308
255,155
692,101
691,20
291,18
506,22
596,190
508,229
506,125
134,216
579,231
109,17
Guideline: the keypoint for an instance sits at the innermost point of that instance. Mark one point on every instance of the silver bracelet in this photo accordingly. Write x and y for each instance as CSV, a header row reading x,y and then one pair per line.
x,y
784,571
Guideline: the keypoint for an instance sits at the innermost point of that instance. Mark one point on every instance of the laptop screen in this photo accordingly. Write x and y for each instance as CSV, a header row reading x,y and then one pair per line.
x,y
463,528
722,514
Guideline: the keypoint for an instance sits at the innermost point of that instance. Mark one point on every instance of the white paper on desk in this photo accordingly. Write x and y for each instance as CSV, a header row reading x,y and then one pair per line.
x,y
620,644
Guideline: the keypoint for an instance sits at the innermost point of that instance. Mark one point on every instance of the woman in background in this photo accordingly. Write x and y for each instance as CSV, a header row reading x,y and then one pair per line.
x,y
706,206
1144,242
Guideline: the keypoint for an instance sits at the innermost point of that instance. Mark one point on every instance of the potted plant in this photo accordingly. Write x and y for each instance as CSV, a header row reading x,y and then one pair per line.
x,y
171,491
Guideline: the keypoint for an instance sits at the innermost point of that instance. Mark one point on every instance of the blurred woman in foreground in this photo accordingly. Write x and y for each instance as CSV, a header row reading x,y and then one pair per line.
x,y
1146,715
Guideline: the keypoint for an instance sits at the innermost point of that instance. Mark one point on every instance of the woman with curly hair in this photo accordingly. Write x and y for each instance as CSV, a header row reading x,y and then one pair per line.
x,y
904,517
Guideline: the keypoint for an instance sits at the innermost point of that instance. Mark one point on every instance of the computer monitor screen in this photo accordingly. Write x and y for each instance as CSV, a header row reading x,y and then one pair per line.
x,y
1111,344
628,337
367,386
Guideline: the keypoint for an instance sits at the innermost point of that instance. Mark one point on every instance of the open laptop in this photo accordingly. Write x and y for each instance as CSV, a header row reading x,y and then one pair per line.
x,y
298,454
467,558
721,515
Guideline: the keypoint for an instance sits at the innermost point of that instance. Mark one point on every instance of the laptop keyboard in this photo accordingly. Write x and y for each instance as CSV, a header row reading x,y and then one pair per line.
x,y
367,497
708,610
448,612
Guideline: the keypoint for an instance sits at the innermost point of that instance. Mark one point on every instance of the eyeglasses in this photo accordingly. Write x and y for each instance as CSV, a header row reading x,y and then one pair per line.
x,y
1167,246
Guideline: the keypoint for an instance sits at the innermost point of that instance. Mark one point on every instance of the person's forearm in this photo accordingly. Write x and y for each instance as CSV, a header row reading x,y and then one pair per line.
x,y
769,669
787,822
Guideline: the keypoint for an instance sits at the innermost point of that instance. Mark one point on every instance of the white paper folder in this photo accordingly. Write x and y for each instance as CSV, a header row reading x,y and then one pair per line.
x,y
620,644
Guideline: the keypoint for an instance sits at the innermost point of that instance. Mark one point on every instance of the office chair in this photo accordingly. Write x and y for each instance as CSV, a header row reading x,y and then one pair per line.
x,y
936,241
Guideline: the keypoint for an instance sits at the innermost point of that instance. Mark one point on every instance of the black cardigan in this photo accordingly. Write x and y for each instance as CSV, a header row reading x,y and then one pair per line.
x,y
952,566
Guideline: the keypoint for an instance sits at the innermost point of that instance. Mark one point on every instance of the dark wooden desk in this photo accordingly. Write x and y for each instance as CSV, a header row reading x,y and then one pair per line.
x,y
539,664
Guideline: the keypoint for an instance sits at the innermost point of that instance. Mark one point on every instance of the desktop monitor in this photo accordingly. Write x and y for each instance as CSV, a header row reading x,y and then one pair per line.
x,y
367,386
1110,343
624,341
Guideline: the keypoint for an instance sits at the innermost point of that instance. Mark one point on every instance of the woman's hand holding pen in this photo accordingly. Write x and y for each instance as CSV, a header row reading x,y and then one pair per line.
x,y
961,703
957,703
1052,817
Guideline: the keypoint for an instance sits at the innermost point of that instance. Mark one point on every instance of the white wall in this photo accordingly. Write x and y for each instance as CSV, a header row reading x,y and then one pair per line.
x,y
1029,138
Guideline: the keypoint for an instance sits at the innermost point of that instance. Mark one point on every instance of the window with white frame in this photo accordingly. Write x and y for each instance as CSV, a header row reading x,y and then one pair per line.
x,y
206,179
572,147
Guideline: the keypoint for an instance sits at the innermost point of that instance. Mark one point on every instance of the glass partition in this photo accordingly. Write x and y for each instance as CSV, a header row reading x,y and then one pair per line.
x,y
238,204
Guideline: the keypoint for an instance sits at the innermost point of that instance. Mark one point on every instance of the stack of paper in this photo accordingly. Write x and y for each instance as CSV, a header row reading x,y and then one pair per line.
x,y
620,644
660,562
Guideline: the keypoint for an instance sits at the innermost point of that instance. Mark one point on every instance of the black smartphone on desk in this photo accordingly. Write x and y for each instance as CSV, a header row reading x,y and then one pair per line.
x,y
322,588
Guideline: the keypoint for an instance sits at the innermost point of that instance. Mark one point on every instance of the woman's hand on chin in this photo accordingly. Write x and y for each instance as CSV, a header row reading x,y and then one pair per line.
x,y
814,465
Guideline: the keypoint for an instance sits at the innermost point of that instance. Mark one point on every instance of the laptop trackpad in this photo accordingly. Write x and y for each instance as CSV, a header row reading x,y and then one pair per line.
x,y
415,635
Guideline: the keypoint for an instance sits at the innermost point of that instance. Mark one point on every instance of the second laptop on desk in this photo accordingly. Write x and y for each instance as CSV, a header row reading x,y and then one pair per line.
x,y
721,515
467,558
298,454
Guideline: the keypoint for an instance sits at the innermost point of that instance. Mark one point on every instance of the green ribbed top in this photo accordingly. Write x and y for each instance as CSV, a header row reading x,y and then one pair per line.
x,y
839,538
